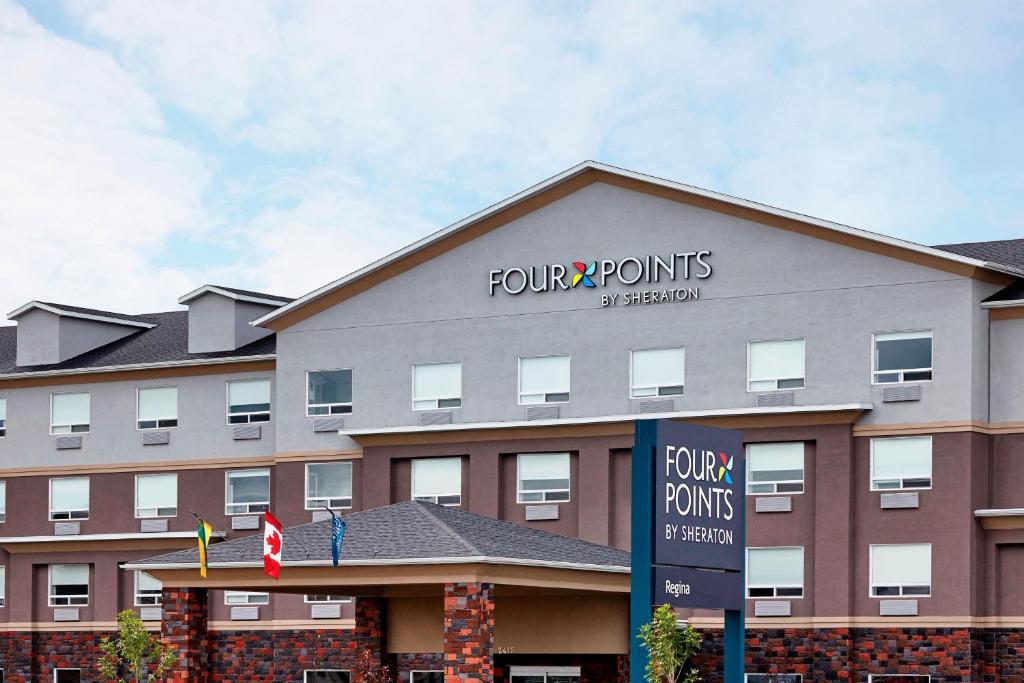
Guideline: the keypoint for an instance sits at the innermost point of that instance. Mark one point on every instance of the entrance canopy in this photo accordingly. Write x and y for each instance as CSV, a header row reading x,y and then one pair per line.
x,y
400,550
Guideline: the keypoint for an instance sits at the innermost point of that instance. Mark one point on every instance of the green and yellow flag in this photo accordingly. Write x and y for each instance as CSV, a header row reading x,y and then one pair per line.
x,y
203,533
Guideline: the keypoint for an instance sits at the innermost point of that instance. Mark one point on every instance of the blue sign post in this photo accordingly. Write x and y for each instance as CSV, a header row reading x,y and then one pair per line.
x,y
688,530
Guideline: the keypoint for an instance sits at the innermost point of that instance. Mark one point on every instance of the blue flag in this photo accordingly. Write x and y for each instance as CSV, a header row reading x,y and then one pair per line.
x,y
338,527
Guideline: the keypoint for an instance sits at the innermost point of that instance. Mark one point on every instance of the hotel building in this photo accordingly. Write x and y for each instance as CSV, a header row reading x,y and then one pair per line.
x,y
468,404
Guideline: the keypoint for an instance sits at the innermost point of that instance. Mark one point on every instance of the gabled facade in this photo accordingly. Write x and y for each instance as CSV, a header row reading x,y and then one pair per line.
x,y
497,366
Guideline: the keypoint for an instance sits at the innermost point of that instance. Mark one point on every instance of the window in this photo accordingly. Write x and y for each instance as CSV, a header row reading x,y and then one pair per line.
x,y
148,591
656,372
327,676
901,570
330,392
158,407
774,678
773,365
67,676
69,498
775,468
899,678
545,674
902,357
156,495
436,385
3,590
427,677
544,380
69,413
248,491
246,598
322,598
437,480
249,401
3,429
775,572
903,462
329,484
3,504
69,585
543,478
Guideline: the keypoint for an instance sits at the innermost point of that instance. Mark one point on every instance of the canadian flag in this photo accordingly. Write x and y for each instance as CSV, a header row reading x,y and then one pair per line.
x,y
272,540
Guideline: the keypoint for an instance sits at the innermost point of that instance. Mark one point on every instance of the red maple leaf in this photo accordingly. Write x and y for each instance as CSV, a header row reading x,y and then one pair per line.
x,y
274,543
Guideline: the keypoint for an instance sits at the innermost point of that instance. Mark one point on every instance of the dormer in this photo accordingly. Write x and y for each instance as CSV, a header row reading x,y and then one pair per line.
x,y
51,333
219,317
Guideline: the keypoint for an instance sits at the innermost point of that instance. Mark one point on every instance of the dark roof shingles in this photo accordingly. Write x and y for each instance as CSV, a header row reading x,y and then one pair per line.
x,y
1004,252
167,342
262,295
413,530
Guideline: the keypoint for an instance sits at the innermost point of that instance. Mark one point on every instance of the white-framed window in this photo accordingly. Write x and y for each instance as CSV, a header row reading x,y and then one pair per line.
x,y
322,598
902,357
544,379
544,674
543,477
156,495
69,585
69,498
248,401
329,392
246,598
424,677
67,676
3,420
69,413
328,484
436,385
148,591
3,502
657,372
773,678
901,570
775,468
157,407
775,572
3,590
437,480
248,492
901,463
900,678
775,364
327,676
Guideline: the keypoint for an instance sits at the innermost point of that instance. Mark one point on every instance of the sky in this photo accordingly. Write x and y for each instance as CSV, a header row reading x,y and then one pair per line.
x,y
148,148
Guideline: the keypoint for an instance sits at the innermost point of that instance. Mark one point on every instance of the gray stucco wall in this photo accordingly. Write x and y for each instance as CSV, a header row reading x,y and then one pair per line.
x,y
218,323
1007,370
202,432
767,283
38,338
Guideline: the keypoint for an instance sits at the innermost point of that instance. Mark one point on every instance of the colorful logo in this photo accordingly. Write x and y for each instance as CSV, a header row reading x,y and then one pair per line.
x,y
725,469
585,273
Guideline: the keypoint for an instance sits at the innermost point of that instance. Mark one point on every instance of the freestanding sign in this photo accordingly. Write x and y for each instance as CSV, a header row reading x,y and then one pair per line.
x,y
688,545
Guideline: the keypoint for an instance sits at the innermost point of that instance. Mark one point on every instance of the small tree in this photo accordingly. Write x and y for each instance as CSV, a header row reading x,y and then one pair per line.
x,y
368,670
136,651
669,648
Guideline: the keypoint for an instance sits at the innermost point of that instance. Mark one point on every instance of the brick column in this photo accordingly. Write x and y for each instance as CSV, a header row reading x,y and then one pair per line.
x,y
469,633
184,628
368,634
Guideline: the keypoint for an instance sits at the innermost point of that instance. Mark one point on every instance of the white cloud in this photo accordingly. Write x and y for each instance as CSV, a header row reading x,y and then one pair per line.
x,y
319,135
91,184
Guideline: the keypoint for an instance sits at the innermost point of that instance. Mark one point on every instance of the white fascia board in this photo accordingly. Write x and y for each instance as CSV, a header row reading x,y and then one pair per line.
x,y
477,559
13,540
212,289
1009,303
587,165
997,512
74,314
683,414
140,366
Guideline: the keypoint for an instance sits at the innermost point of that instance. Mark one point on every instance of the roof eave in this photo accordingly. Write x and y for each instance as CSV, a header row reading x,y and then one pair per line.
x,y
213,289
137,366
16,313
479,559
